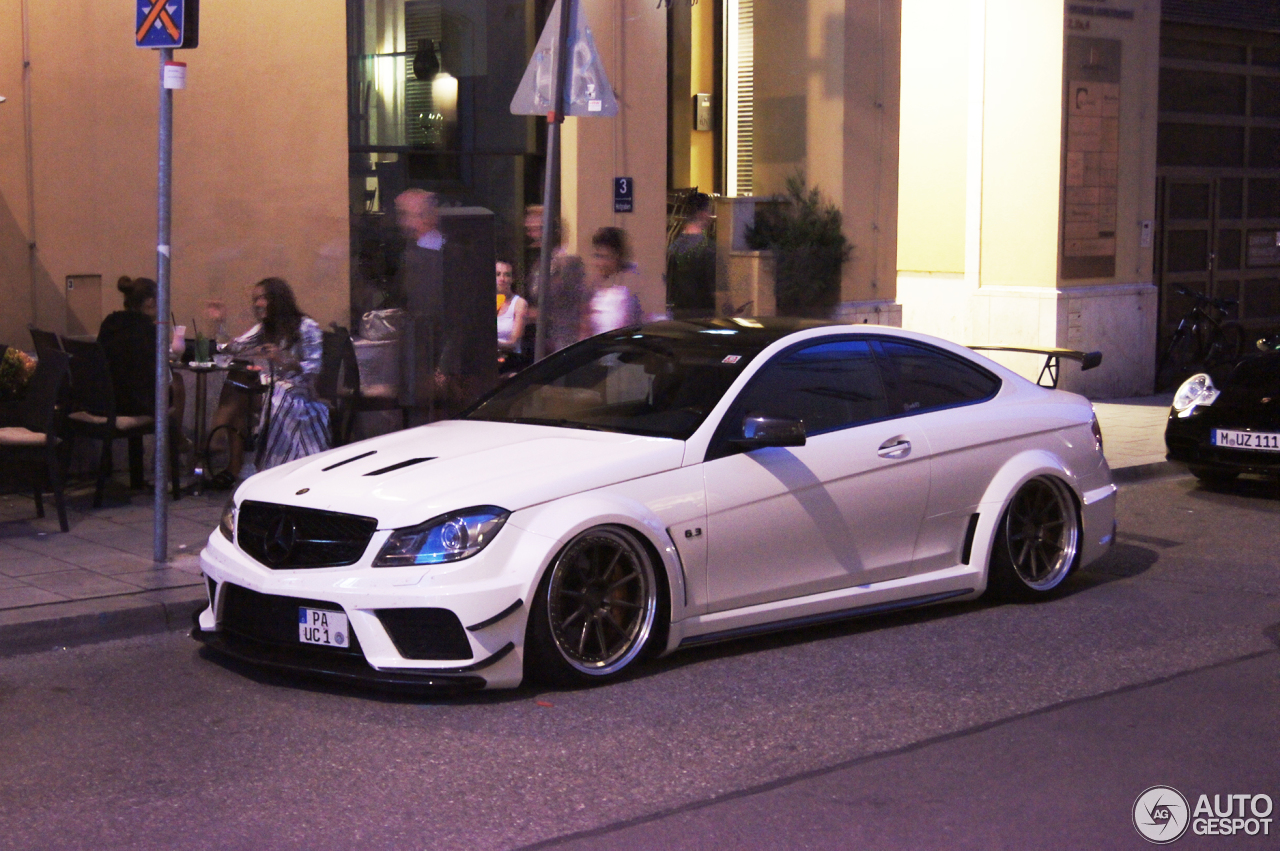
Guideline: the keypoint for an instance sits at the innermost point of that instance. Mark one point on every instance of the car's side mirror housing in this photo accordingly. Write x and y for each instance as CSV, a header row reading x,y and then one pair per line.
x,y
759,432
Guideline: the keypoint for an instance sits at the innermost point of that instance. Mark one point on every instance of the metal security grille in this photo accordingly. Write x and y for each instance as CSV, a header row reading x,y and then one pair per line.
x,y
284,537
426,633
1218,159
271,619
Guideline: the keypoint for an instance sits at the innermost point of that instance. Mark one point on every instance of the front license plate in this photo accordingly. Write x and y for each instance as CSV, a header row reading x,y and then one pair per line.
x,y
1258,440
319,626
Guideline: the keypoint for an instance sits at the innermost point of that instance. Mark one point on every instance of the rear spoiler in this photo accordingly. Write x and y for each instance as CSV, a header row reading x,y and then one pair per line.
x,y
1052,359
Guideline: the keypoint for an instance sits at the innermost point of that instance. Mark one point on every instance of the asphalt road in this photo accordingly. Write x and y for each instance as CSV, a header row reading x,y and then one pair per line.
x,y
970,726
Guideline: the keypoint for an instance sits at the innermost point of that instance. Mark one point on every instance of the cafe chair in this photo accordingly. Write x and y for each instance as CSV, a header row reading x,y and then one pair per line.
x,y
93,415
44,341
339,384
33,446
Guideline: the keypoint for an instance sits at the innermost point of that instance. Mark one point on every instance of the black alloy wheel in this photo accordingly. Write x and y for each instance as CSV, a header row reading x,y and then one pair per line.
x,y
596,608
1038,541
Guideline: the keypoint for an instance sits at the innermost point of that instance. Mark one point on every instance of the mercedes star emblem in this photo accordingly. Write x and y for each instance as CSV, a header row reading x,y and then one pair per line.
x,y
278,545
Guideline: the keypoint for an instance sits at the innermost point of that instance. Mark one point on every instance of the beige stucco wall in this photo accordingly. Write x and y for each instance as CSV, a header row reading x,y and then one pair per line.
x,y
631,38
981,187
831,110
934,141
1139,85
259,157
15,289
1022,143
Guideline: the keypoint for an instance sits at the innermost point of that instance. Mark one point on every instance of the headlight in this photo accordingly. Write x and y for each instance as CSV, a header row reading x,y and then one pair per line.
x,y
227,525
449,537
1196,390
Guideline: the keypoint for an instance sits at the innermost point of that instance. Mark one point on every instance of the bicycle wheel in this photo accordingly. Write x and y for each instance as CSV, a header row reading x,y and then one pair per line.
x,y
1182,353
217,449
1228,344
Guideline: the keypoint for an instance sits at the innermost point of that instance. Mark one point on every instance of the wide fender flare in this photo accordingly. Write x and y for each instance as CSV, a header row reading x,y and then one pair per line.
x,y
1015,472
560,521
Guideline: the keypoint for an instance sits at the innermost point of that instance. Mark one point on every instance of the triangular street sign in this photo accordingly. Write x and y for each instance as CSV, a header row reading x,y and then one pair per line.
x,y
587,90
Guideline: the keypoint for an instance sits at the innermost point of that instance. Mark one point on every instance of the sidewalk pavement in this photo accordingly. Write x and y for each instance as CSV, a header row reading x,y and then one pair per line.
x,y
98,581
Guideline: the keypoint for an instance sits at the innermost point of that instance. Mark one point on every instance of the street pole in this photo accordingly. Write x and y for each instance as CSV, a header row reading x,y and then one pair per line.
x,y
164,330
551,184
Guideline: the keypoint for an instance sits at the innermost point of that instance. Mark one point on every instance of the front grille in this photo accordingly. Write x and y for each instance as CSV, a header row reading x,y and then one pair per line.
x,y
426,633
284,537
271,619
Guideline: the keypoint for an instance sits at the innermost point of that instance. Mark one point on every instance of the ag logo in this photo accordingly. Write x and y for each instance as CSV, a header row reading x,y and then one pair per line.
x,y
1160,814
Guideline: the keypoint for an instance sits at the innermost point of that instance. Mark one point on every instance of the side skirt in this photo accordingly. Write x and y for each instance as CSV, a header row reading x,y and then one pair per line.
x,y
825,617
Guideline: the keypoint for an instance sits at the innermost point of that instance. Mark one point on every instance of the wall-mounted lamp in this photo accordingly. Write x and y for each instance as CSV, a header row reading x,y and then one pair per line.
x,y
3,98
426,62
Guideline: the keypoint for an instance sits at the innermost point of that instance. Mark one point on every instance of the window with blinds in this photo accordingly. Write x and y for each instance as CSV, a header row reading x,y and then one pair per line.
x,y
740,102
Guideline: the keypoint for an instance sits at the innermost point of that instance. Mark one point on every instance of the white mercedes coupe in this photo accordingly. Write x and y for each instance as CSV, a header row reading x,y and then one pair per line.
x,y
659,487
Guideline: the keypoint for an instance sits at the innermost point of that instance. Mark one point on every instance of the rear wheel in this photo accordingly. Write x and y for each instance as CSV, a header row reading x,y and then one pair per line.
x,y
596,609
1037,542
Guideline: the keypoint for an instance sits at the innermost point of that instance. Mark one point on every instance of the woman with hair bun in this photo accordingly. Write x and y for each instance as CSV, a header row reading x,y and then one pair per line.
x,y
128,337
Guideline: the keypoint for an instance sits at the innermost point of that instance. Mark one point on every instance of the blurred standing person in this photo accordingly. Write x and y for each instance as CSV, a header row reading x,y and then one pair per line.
x,y
566,299
613,302
426,345
691,264
511,319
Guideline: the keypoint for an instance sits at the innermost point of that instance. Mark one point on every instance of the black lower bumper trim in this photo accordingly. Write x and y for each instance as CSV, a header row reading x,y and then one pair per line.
x,y
329,665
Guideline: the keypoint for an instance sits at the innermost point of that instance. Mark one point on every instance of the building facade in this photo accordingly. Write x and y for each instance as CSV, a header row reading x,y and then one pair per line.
x,y
1009,172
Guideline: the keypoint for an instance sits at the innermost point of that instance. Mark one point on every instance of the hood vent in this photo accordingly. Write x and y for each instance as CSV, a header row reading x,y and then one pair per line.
x,y
349,460
399,466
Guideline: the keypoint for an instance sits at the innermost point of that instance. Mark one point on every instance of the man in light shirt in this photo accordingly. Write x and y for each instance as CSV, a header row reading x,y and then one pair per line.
x,y
427,346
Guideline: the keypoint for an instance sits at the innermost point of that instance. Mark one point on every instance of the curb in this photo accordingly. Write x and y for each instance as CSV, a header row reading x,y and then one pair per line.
x,y
60,625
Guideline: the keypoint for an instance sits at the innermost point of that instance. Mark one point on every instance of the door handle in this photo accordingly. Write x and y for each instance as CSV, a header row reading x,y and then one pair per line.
x,y
895,447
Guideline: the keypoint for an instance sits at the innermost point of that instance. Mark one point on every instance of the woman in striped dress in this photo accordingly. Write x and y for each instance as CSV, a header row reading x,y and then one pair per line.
x,y
291,342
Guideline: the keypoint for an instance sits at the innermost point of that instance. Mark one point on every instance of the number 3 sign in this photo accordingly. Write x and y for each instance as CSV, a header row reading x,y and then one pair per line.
x,y
623,195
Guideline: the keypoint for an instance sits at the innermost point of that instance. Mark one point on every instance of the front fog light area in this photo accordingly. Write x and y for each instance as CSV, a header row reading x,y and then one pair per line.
x,y
449,537
1196,390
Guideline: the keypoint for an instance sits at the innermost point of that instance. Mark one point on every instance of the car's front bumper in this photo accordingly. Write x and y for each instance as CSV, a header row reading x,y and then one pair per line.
x,y
485,603
1187,441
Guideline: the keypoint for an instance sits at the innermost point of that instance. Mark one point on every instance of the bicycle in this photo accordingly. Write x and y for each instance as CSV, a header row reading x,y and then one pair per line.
x,y
231,440
1204,338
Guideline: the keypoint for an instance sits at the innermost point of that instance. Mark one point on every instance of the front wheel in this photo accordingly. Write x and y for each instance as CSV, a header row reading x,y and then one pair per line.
x,y
596,609
1037,542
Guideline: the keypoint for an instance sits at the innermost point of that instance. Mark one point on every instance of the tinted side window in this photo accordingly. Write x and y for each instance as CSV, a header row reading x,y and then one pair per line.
x,y
827,386
926,378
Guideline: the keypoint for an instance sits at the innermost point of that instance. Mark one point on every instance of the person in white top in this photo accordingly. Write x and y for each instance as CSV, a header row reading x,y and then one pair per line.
x,y
512,311
613,302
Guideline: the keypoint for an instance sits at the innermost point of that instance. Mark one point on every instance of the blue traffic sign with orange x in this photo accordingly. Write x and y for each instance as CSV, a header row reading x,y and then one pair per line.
x,y
160,23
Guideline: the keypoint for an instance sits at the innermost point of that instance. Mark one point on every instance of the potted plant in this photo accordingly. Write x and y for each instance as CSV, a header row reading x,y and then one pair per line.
x,y
810,249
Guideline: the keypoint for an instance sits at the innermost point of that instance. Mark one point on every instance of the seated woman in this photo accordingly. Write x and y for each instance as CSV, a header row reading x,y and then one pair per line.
x,y
291,342
128,337
511,318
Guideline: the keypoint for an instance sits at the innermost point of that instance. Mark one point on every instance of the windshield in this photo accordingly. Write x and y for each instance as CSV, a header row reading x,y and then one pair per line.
x,y
659,385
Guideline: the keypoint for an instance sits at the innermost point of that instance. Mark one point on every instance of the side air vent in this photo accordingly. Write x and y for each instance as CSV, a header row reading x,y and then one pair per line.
x,y
399,466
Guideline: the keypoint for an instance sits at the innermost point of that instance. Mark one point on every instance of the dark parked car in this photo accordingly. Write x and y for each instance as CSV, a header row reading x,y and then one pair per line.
x,y
1227,421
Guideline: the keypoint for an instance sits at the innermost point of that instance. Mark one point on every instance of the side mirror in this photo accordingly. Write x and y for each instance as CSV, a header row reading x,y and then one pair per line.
x,y
758,432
